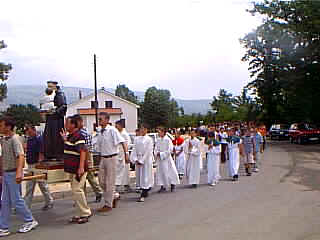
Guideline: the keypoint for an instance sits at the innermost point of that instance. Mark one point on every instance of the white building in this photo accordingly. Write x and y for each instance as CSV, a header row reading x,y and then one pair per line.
x,y
115,106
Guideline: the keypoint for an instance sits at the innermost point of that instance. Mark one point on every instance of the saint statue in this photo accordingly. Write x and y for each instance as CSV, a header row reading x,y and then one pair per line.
x,y
54,104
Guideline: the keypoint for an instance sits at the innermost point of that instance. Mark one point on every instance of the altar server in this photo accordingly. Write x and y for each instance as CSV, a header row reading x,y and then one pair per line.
x,y
178,153
213,159
122,168
142,156
167,174
234,154
193,159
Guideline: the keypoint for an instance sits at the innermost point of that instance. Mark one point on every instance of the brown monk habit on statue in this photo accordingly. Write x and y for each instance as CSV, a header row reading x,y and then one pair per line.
x,y
53,143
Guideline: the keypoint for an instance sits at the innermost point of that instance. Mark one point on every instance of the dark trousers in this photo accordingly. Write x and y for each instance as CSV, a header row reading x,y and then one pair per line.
x,y
0,193
223,152
145,193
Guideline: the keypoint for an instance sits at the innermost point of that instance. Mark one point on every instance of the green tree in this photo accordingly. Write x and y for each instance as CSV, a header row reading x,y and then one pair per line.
x,y
223,105
24,114
124,92
174,113
284,59
159,108
4,71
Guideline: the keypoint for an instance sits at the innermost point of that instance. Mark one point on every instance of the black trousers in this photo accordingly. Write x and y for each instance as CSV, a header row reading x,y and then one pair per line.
x,y
223,152
145,193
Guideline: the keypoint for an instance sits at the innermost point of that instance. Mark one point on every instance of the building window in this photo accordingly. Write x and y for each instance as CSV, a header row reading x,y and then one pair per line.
x,y
108,104
94,104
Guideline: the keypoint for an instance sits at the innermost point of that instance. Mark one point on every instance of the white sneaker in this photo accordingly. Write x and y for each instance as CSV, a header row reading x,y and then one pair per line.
x,y
4,232
213,184
27,227
255,170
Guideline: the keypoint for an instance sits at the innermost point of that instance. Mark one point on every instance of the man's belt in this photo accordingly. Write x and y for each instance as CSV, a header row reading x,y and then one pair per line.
x,y
110,156
11,170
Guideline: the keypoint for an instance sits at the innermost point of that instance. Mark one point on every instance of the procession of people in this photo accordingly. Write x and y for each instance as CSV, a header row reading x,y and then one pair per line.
x,y
163,164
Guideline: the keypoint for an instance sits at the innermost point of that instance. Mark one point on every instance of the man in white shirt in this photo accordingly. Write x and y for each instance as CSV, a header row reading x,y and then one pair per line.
x,y
108,140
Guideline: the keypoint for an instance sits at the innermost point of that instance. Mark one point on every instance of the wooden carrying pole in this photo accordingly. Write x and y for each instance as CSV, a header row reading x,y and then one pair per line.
x,y
35,177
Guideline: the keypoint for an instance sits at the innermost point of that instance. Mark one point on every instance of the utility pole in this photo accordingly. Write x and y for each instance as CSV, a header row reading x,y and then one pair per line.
x,y
96,105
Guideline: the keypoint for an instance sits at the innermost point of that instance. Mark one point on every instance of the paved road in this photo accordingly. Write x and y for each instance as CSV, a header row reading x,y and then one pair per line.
x,y
280,203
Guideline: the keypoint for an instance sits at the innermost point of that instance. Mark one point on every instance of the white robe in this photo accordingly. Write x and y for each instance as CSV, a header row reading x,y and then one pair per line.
x,y
214,159
193,161
143,154
167,173
234,158
181,159
122,168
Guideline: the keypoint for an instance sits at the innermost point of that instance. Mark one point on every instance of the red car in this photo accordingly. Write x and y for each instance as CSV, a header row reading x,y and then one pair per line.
x,y
304,133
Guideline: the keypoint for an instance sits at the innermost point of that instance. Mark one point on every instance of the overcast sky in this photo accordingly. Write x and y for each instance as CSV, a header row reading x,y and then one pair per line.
x,y
190,47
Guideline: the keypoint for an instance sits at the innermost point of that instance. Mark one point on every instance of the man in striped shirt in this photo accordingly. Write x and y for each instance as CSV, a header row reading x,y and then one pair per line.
x,y
75,152
90,176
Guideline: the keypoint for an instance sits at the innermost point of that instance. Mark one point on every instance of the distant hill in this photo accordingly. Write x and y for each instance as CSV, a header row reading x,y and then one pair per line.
x,y
21,94
195,106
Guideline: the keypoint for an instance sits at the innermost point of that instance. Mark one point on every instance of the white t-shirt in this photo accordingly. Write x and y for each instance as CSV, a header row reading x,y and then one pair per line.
x,y
108,140
224,137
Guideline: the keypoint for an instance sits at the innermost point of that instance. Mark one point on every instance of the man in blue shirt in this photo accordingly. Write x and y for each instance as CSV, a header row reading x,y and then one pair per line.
x,y
34,155
258,148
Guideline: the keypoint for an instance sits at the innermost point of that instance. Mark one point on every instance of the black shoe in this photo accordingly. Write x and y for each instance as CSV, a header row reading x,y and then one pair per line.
x,y
162,189
173,188
47,207
249,174
98,198
194,186
235,177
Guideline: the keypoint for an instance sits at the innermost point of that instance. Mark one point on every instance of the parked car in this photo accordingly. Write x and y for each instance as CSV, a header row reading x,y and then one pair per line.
x,y
279,132
303,133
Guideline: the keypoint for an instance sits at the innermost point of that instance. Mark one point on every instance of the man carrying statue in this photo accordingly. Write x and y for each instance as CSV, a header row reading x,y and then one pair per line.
x,y
54,105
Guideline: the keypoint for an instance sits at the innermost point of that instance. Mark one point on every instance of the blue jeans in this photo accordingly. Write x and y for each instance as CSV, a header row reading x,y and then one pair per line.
x,y
11,198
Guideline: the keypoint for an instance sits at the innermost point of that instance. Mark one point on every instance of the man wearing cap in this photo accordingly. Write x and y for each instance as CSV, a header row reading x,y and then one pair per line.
x,y
122,176
108,140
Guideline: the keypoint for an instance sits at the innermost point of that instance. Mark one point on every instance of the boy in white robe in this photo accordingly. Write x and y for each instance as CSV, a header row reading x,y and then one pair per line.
x,y
234,155
142,156
122,168
178,153
213,159
167,174
193,159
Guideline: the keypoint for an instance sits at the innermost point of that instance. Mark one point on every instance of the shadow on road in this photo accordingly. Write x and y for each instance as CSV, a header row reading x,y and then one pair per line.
x,y
305,163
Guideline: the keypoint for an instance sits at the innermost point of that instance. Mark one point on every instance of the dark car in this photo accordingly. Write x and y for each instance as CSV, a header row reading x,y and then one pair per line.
x,y
279,132
303,133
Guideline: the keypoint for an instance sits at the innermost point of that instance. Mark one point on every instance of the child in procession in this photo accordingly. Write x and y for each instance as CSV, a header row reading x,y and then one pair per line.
x,y
178,154
142,157
213,159
249,151
234,154
167,174
193,159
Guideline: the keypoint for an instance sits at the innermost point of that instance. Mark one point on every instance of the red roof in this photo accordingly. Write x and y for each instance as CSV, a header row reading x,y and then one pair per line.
x,y
92,111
